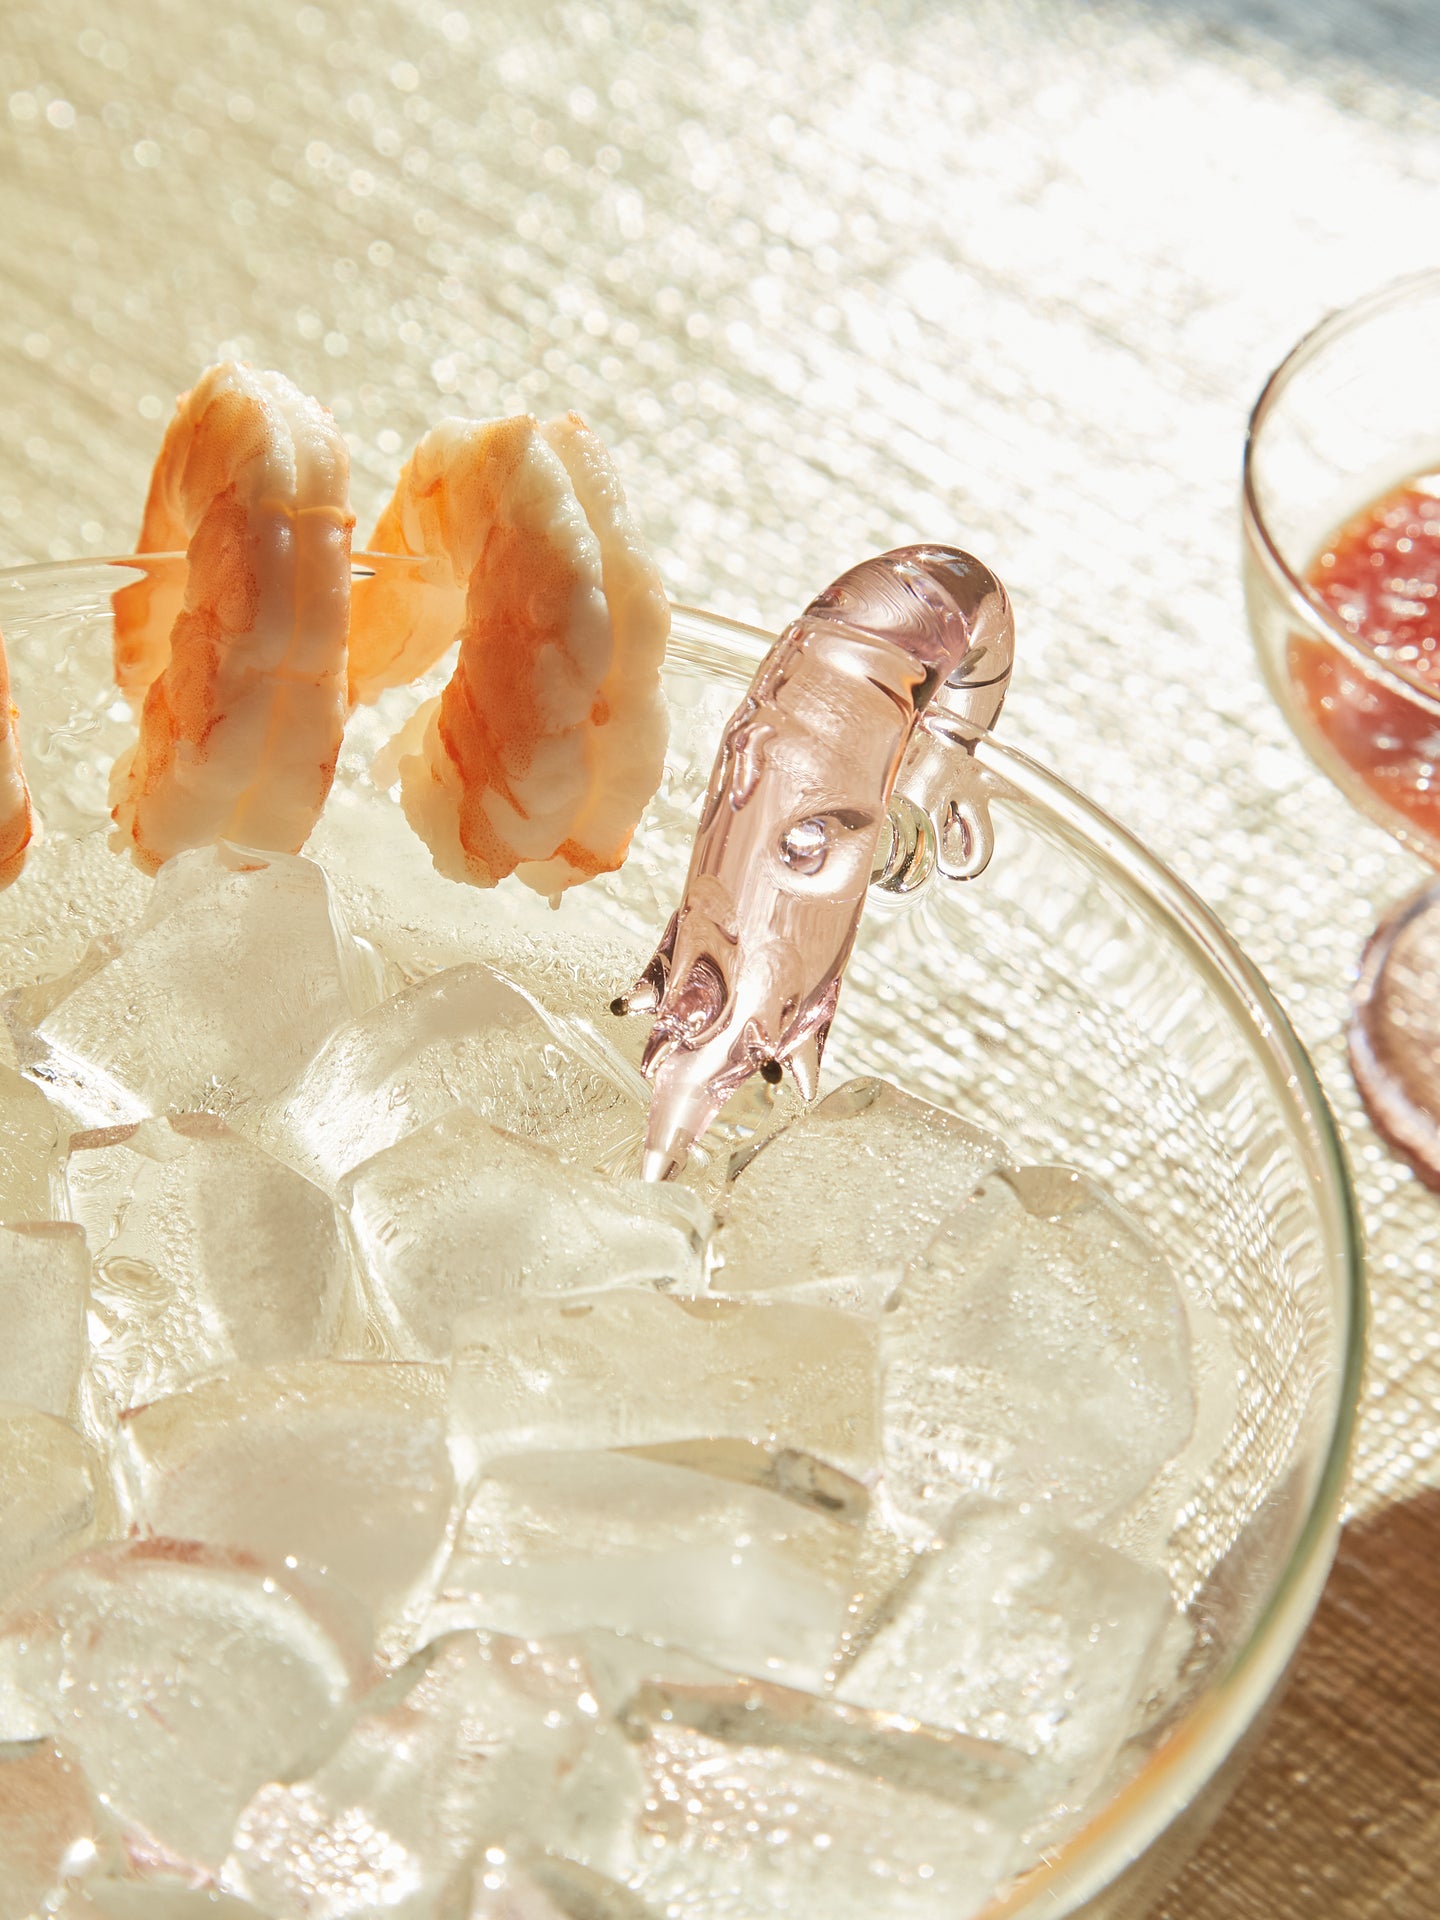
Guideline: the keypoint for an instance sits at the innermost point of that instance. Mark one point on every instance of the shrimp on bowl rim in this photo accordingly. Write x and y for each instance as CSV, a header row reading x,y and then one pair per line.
x,y
240,670
540,754
17,820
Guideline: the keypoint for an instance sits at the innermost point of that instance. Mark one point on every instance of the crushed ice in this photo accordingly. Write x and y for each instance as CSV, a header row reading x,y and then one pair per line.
x,y
402,1503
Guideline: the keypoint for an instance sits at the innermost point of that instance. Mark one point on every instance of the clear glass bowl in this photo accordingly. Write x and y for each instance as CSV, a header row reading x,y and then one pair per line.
x,y
1350,414
1076,998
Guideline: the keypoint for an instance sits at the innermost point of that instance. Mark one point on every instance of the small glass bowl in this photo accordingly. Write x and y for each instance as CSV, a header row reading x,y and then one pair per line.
x,y
1076,998
1350,414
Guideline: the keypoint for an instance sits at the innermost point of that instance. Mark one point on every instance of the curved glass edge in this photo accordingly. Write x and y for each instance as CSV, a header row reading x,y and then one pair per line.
x,y
37,573
1081,1868
1305,606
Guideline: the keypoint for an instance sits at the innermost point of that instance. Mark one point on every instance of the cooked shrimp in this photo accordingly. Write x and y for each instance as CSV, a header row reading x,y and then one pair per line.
x,y
629,722
550,737
17,821
400,625
244,693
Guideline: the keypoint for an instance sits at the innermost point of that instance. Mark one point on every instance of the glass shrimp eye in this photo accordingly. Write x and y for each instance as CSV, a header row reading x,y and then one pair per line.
x,y
805,844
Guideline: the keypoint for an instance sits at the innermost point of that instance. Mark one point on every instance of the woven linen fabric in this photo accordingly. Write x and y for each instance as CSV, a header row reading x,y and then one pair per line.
x,y
829,278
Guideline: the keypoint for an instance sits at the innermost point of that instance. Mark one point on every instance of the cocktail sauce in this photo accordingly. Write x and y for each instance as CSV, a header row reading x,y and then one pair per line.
x,y
1379,575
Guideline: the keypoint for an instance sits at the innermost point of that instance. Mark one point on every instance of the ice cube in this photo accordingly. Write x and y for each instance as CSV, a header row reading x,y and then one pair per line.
x,y
207,1253
1038,1351
574,962
462,1211
48,1505
340,1466
32,1185
238,970
849,1192
575,975
889,1543
635,1368
51,1832
619,1665
748,1118
476,1736
525,1885
763,1805
44,1275
1021,1631
181,1678
465,1037
921,1759
85,892
784,1470
553,1542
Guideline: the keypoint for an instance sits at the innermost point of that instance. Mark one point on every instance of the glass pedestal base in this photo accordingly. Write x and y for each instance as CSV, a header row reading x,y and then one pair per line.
x,y
1394,1032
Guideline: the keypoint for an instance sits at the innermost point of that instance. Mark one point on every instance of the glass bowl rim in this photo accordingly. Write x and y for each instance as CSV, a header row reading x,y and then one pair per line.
x,y
1122,1830
1304,604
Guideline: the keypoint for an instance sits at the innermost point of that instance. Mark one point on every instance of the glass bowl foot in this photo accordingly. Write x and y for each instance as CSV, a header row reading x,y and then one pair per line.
x,y
1394,1031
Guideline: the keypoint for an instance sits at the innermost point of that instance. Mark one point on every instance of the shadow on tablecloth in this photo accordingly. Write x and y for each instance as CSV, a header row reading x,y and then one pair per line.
x,y
1338,1817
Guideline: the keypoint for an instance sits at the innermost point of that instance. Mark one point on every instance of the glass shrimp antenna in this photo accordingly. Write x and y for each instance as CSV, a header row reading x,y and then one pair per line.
x,y
905,653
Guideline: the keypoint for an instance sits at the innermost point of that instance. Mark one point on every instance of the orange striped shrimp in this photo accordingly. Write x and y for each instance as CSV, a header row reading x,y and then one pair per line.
x,y
242,667
17,821
400,624
540,754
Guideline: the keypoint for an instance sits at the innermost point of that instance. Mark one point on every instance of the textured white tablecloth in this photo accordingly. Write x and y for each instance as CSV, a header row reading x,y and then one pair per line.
x,y
829,278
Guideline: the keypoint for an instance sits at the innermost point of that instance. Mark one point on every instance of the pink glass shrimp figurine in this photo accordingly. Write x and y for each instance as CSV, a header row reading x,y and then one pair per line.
x,y
904,654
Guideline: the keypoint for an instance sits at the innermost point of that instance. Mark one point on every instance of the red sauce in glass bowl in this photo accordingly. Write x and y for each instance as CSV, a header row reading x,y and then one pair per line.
x,y
1379,574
